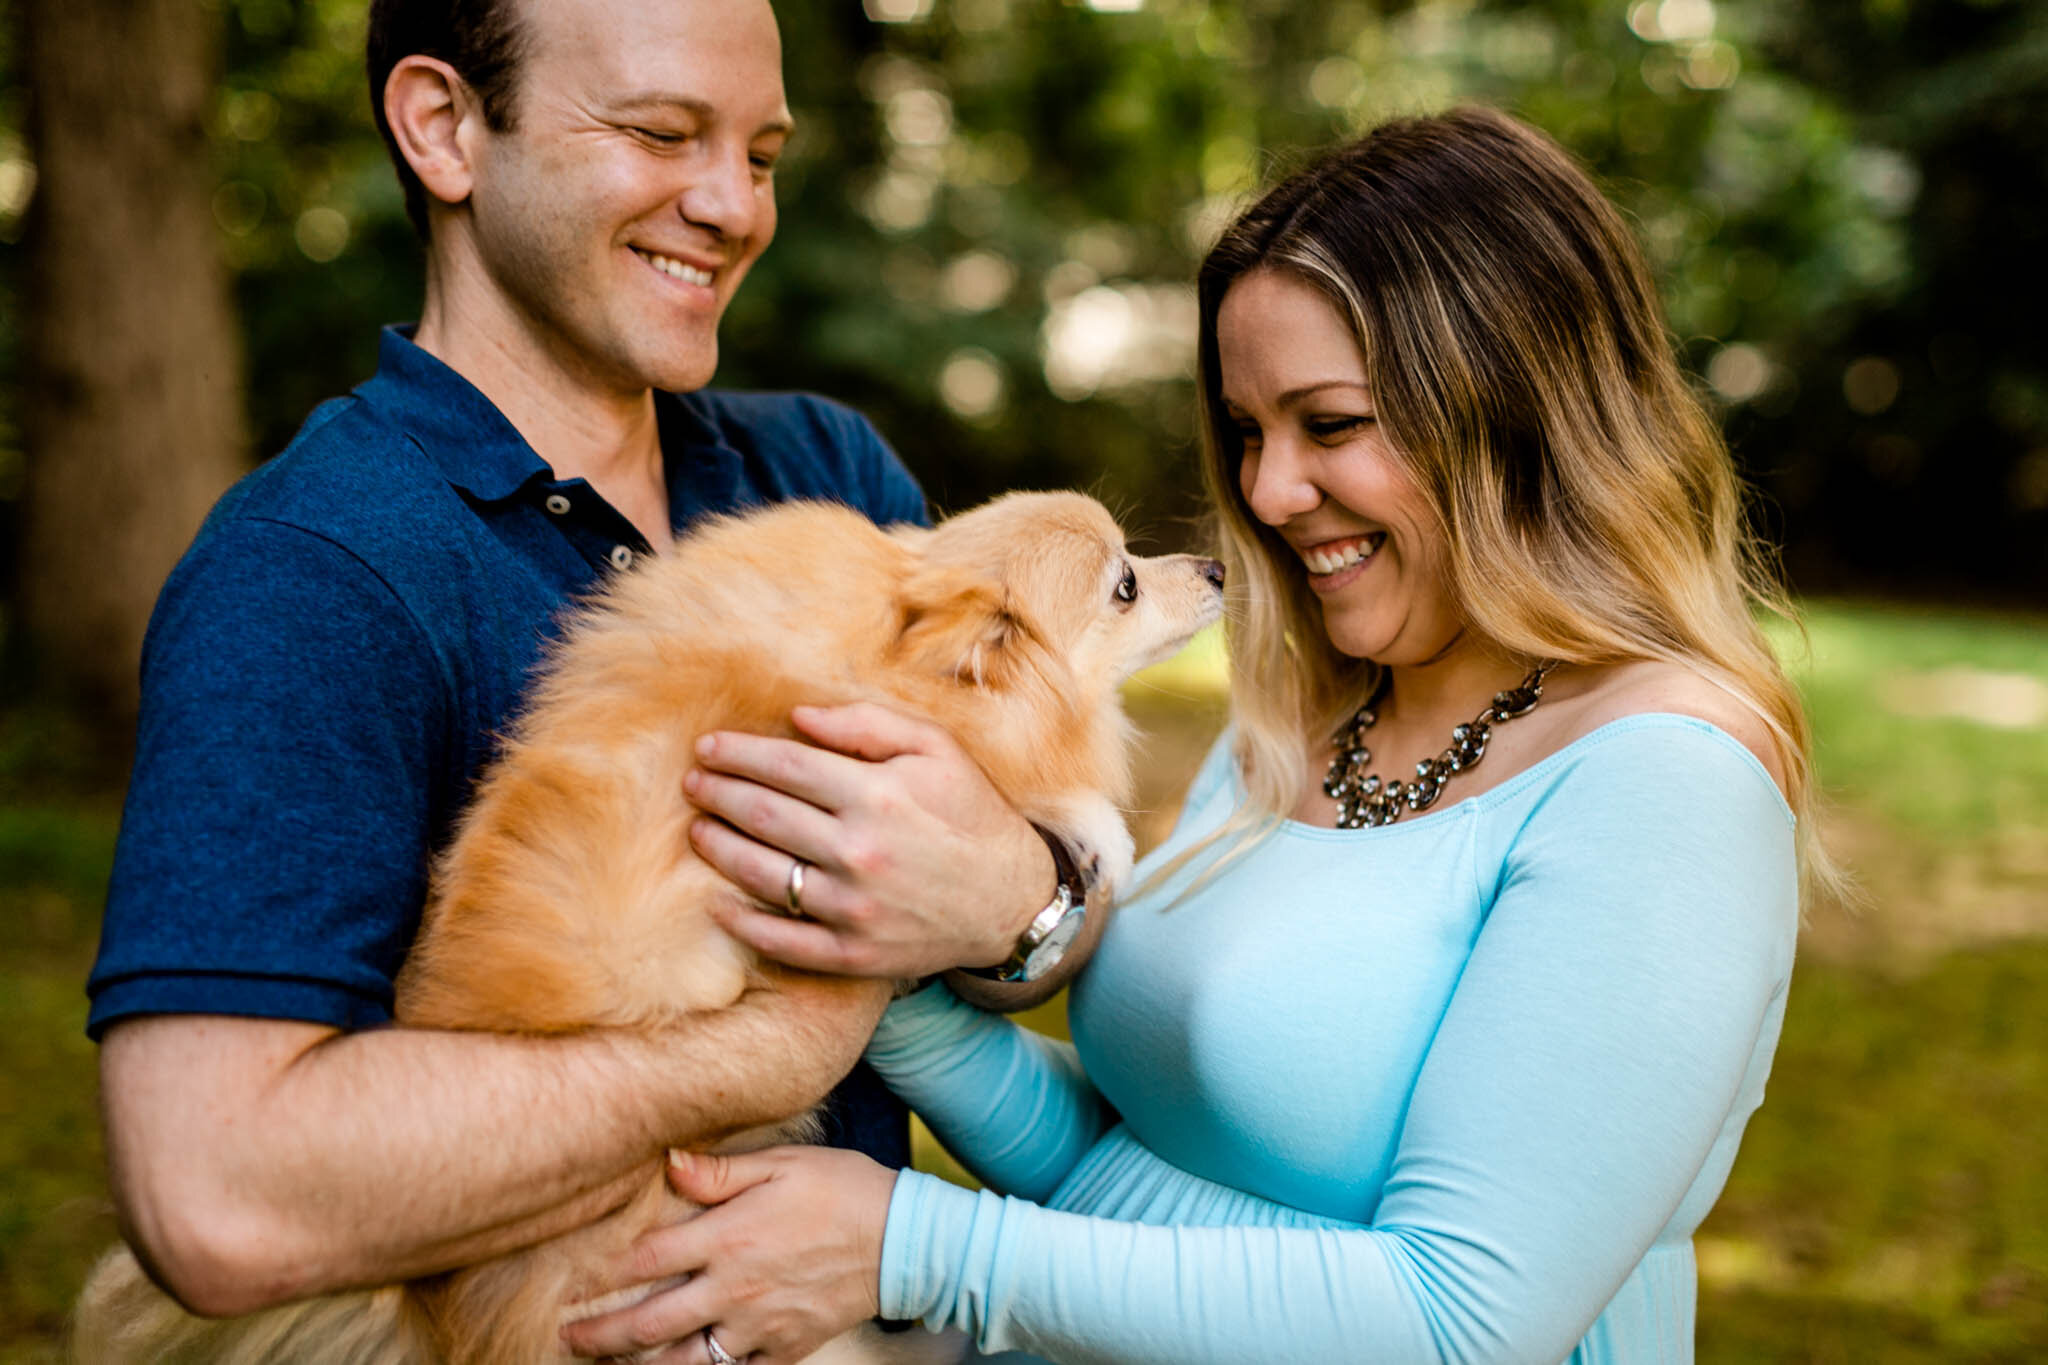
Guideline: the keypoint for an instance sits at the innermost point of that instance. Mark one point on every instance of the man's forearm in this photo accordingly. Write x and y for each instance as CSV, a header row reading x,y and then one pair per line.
x,y
256,1161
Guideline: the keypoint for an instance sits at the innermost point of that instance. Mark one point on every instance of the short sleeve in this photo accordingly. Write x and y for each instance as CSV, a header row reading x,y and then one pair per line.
x,y
799,445
273,852
889,495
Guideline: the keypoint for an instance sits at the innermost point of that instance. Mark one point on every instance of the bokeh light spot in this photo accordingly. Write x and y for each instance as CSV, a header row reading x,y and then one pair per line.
x,y
238,207
972,385
977,282
1334,82
1739,372
1116,336
897,11
2030,481
919,117
1711,65
1870,384
321,233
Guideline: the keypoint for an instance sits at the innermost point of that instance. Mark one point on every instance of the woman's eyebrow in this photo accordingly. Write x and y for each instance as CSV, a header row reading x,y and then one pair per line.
x,y
1295,395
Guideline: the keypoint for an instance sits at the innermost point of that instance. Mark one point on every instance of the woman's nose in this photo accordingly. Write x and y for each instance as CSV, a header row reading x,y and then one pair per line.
x,y
1277,486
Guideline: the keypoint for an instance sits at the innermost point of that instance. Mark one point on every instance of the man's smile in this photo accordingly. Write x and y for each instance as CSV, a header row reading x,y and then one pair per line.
x,y
675,269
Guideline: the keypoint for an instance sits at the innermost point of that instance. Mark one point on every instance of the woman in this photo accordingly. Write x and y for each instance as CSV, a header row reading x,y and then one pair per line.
x,y
1361,1074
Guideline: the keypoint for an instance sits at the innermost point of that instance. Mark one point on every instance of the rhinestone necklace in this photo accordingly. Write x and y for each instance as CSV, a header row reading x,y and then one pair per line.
x,y
1363,799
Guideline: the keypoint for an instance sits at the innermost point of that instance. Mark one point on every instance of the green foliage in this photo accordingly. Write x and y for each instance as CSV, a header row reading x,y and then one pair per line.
x,y
17,187
993,210
1090,158
1924,412
311,216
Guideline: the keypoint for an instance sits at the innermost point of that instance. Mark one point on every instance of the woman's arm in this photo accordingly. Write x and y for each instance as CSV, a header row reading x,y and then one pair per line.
x,y
1599,1039
1011,1104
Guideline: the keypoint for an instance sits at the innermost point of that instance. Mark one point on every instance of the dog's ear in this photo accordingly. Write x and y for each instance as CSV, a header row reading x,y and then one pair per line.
x,y
957,624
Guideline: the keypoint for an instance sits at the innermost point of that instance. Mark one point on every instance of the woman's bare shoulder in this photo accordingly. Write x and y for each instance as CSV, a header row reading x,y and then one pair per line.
x,y
1603,695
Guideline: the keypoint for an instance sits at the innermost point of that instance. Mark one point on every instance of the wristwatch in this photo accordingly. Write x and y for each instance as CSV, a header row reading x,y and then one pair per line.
x,y
1052,930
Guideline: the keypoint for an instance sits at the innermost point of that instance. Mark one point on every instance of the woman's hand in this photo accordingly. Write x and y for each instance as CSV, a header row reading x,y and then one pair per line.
x,y
786,1255
914,864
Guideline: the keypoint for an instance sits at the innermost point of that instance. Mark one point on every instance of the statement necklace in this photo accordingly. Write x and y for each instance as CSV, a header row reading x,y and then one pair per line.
x,y
1363,799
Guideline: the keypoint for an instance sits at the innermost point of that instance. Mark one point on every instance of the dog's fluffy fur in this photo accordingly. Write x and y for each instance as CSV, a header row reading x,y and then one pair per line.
x,y
569,898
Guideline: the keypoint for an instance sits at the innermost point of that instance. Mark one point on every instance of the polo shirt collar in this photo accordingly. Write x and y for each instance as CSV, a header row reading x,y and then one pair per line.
x,y
480,452
461,431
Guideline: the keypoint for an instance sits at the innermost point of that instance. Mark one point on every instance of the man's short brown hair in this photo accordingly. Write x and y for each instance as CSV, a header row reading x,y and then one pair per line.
x,y
481,39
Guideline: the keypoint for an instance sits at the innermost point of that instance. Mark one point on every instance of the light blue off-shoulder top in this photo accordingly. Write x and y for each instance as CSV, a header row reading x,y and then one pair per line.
x,y
1455,1089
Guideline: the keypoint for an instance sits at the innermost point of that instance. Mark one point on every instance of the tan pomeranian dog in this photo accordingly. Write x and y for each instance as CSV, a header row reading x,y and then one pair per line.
x,y
569,898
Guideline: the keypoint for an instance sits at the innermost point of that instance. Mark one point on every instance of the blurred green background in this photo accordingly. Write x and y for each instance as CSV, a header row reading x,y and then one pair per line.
x,y
989,221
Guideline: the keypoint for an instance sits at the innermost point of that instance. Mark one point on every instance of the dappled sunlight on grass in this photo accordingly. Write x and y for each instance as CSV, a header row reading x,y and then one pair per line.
x,y
1891,692
1896,1161
1938,800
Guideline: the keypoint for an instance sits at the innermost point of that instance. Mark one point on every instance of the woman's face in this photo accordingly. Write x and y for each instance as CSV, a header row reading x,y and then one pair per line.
x,y
1320,470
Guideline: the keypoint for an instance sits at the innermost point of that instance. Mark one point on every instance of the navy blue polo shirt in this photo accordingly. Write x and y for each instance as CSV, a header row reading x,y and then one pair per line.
x,y
329,666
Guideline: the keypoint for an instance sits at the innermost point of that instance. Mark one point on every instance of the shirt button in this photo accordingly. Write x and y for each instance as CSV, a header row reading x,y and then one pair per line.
x,y
622,557
557,504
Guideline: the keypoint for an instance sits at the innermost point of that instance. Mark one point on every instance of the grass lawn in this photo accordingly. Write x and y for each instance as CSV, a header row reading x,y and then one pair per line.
x,y
1891,1201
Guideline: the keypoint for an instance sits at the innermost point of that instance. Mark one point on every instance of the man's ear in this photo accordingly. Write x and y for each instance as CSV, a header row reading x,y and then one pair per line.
x,y
432,112
956,624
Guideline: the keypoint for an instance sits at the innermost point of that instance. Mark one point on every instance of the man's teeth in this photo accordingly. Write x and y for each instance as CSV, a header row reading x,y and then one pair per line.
x,y
668,265
1342,554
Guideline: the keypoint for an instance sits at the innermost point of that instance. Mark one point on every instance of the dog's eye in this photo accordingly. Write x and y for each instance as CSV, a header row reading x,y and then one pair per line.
x,y
1127,586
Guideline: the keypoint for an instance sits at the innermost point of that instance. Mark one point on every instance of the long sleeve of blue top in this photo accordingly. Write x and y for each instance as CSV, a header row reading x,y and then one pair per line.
x,y
1458,1089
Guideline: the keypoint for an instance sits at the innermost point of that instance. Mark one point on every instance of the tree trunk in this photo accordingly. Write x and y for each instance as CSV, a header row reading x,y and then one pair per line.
x,y
132,417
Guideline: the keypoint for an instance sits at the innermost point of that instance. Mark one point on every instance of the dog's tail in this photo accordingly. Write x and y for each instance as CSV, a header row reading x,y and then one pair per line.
x,y
122,1318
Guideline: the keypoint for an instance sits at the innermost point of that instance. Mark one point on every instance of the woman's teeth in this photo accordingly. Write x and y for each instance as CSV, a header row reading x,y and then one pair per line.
x,y
1341,554
670,266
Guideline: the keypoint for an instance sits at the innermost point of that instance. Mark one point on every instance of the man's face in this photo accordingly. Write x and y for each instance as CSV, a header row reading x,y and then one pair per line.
x,y
636,187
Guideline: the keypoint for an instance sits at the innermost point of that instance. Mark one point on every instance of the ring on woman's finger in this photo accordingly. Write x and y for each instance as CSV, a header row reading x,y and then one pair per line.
x,y
793,898
719,1355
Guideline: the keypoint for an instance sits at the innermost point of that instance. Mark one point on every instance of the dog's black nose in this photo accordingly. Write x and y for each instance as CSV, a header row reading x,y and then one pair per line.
x,y
1213,571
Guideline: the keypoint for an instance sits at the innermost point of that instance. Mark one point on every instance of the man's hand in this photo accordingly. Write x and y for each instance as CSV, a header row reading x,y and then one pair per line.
x,y
914,864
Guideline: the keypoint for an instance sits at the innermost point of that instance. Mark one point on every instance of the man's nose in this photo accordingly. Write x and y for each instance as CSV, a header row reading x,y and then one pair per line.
x,y
724,196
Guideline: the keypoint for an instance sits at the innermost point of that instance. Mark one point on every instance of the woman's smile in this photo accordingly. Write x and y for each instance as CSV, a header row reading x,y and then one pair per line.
x,y
1334,563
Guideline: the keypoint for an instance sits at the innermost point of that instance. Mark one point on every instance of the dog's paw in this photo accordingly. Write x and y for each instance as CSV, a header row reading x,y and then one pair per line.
x,y
1099,842
1112,866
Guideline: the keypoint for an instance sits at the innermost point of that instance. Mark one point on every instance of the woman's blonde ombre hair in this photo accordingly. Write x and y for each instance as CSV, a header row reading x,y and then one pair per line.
x,y
1519,361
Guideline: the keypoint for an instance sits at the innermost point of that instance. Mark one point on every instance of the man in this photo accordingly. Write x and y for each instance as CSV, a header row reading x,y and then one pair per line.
x,y
327,668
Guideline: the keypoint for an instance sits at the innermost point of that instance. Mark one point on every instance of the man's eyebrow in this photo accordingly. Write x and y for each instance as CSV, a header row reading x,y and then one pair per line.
x,y
646,100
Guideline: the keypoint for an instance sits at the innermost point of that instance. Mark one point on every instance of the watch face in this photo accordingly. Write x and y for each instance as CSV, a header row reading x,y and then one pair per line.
x,y
1047,955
